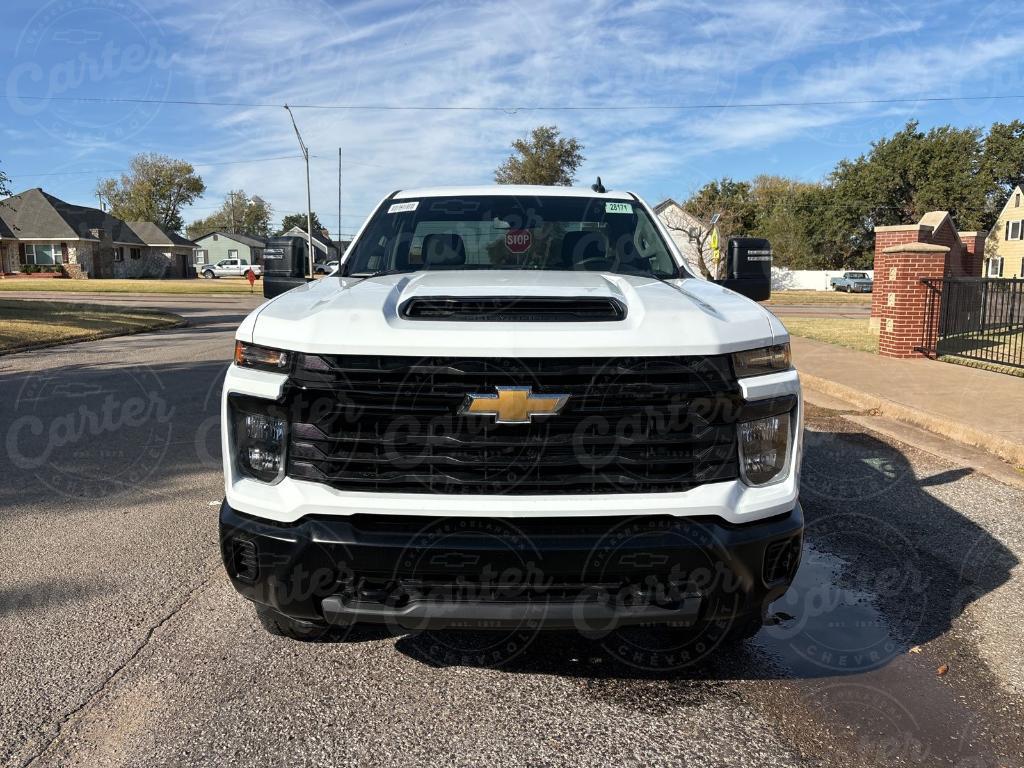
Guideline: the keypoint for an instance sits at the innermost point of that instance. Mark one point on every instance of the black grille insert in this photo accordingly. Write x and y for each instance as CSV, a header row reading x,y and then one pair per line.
x,y
513,309
630,425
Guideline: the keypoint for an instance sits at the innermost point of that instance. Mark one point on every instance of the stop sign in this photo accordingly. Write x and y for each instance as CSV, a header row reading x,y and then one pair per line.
x,y
518,240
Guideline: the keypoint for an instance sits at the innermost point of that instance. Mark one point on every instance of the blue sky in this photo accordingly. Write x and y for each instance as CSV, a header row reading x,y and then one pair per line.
x,y
491,53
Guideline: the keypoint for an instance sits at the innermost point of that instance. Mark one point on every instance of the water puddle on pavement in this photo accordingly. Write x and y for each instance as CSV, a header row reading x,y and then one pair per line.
x,y
851,674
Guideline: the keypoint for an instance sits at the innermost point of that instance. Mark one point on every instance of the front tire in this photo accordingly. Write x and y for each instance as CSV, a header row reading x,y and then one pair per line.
x,y
294,629
208,274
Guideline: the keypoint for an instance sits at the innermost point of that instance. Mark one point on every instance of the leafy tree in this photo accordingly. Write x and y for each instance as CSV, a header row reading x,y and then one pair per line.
x,y
239,214
155,189
545,157
299,220
5,190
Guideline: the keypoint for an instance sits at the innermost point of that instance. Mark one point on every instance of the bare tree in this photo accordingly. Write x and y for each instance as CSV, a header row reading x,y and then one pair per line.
x,y
698,232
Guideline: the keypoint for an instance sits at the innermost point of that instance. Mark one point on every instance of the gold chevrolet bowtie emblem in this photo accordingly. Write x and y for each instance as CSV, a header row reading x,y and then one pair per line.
x,y
513,405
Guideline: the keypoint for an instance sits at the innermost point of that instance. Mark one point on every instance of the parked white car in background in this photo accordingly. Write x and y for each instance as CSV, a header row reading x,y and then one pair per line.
x,y
228,268
325,268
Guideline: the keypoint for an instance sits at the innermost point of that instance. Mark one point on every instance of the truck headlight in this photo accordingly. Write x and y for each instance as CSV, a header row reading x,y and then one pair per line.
x,y
764,449
757,362
263,358
260,430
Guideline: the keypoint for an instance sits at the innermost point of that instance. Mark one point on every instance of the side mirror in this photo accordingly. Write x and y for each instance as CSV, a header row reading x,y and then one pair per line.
x,y
749,268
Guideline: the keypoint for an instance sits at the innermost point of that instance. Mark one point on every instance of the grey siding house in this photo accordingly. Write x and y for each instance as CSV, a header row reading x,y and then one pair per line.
x,y
215,246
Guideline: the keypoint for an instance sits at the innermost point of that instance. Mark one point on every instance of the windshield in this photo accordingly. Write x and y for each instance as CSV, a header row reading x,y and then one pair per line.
x,y
856,275
512,232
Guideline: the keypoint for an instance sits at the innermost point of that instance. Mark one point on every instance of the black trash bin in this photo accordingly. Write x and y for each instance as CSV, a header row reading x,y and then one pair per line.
x,y
285,265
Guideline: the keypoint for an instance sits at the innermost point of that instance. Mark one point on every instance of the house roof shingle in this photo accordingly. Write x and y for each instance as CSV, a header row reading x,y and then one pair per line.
x,y
153,234
252,242
35,214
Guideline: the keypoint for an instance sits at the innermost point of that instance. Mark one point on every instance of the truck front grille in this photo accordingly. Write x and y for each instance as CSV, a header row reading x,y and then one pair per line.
x,y
630,425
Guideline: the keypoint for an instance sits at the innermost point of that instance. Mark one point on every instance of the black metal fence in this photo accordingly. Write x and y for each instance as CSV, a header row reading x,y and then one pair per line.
x,y
977,318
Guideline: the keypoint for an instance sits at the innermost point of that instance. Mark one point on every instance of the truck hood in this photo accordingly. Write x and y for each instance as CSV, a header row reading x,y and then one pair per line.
x,y
344,315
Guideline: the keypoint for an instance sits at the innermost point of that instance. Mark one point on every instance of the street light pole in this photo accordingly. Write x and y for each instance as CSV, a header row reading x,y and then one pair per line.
x,y
309,202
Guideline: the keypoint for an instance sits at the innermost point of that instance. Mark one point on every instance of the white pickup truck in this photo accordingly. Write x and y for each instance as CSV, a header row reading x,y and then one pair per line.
x,y
228,268
512,407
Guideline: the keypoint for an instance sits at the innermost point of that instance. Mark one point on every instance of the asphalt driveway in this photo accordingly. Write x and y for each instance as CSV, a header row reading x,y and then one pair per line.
x,y
123,643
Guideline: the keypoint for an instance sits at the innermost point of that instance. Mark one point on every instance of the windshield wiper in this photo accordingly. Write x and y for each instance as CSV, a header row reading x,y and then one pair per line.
x,y
383,272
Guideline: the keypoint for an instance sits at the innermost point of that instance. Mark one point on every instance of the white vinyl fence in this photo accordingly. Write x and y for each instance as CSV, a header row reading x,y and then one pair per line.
x,y
784,279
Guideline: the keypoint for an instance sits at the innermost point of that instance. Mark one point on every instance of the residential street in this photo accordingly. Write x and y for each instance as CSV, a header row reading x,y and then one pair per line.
x,y
124,643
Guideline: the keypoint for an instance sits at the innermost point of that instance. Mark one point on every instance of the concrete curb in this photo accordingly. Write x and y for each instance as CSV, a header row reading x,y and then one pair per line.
x,y
955,431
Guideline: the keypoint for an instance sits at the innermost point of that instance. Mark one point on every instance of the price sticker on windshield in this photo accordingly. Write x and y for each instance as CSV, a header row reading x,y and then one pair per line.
x,y
618,207
403,207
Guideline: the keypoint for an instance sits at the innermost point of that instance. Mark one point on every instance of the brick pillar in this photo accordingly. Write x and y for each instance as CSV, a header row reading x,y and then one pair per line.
x,y
904,299
886,237
973,259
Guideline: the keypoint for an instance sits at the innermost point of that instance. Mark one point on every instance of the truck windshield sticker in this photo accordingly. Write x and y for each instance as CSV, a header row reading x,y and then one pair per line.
x,y
403,207
618,208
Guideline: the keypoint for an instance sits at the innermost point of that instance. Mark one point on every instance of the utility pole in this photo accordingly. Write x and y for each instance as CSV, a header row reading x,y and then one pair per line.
x,y
309,202
339,198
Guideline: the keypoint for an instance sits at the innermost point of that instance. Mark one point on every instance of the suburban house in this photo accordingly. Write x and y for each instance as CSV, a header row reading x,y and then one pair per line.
x,y
1004,250
165,250
680,225
219,245
324,248
40,232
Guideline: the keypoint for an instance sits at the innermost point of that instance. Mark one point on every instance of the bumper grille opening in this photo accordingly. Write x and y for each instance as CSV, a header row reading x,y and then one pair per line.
x,y
781,559
243,560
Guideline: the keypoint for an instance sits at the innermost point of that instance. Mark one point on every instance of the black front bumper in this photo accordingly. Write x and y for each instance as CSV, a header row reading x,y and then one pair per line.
x,y
592,573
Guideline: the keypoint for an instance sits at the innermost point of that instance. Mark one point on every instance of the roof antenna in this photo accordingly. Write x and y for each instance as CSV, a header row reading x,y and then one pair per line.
x,y
598,187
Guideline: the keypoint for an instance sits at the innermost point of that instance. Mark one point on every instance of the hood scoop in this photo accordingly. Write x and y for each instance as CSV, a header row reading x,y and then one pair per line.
x,y
514,309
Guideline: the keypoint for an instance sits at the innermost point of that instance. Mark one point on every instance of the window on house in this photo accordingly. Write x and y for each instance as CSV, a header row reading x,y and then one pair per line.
x,y
202,256
995,266
136,253
41,254
1016,203
118,253
1014,231
232,253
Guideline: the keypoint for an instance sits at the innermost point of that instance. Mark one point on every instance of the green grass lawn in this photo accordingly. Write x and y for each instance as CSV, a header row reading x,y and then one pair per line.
x,y
818,297
844,332
219,285
27,324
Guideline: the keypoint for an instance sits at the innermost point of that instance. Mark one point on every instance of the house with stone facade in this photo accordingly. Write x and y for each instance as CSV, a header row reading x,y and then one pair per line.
x,y
41,232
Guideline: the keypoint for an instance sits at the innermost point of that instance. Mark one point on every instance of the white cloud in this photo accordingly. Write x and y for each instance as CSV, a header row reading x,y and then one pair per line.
x,y
492,52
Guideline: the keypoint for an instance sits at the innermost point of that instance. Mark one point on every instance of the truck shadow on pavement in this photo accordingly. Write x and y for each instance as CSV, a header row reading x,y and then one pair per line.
x,y
886,566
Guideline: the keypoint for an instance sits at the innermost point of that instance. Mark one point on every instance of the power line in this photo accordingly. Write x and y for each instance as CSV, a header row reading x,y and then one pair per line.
x,y
200,164
512,109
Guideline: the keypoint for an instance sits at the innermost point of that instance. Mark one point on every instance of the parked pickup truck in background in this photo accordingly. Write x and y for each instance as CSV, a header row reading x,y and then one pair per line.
x,y
228,268
514,408
852,282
